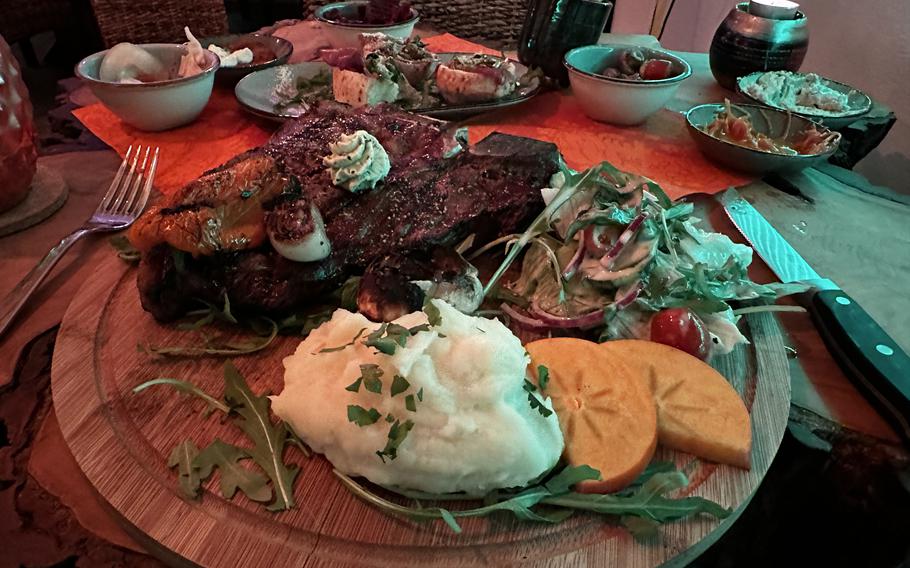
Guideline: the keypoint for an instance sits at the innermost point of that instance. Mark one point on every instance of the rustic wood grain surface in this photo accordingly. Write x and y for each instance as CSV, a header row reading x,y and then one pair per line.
x,y
122,440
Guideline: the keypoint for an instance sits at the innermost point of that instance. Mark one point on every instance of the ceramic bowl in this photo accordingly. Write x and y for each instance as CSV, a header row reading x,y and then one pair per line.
x,y
624,102
858,102
744,43
774,123
281,47
158,105
347,35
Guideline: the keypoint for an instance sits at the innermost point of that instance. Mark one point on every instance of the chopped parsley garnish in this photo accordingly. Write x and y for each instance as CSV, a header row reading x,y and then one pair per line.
x,y
420,394
543,377
397,434
434,318
345,346
535,402
409,403
389,418
399,385
361,416
355,386
370,374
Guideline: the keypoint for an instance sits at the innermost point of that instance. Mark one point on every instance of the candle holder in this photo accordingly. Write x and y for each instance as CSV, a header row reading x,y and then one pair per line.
x,y
18,153
745,43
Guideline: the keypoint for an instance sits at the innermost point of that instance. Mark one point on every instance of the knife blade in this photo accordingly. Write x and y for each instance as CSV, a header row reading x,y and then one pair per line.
x,y
871,359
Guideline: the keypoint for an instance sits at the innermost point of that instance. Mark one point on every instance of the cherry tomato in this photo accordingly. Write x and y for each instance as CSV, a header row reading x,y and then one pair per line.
x,y
680,328
655,69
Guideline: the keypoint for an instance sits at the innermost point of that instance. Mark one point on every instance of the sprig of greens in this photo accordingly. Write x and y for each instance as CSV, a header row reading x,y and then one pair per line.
x,y
553,501
125,249
265,329
250,413
534,401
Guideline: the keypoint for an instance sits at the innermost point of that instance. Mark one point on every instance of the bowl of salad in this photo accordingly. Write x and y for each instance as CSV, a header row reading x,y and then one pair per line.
x,y
809,95
757,139
622,84
343,22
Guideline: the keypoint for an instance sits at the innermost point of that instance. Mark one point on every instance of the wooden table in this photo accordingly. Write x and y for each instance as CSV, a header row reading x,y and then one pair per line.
x,y
852,232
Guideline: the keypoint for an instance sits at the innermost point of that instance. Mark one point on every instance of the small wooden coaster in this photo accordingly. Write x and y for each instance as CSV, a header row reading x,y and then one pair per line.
x,y
47,195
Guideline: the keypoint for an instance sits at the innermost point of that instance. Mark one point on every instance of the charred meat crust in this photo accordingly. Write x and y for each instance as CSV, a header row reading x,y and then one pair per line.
x,y
426,201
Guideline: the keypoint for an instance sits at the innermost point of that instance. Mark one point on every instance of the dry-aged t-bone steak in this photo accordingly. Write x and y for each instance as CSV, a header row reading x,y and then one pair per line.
x,y
209,238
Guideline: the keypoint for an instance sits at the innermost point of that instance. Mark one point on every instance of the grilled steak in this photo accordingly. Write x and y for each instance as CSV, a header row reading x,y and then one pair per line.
x,y
430,198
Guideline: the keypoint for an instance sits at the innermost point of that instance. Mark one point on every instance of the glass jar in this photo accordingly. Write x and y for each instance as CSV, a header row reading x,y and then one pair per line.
x,y
553,27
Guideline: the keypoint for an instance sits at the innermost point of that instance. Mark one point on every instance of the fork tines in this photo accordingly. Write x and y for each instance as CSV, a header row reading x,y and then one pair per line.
x,y
132,184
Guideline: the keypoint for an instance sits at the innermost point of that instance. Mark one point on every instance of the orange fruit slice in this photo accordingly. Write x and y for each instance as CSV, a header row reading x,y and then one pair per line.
x,y
698,411
606,412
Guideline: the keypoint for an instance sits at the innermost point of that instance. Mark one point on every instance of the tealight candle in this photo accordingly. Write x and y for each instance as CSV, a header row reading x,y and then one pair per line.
x,y
774,9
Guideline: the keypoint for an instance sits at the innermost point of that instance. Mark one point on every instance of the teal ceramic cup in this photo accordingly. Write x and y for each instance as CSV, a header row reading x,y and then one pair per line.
x,y
157,105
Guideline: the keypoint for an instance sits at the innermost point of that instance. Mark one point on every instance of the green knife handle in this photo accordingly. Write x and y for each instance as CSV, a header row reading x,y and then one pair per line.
x,y
870,357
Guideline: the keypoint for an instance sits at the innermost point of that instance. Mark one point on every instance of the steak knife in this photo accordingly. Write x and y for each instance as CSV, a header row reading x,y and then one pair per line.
x,y
870,357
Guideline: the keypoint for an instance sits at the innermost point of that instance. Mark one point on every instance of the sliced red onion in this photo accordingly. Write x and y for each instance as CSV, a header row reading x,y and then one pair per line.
x,y
623,240
573,265
590,319
629,297
521,319
592,240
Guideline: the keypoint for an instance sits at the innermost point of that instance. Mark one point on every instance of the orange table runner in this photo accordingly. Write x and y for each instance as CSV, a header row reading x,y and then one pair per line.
x,y
659,149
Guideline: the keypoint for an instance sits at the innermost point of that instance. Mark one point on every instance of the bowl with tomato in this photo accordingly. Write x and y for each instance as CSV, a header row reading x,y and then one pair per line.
x,y
622,84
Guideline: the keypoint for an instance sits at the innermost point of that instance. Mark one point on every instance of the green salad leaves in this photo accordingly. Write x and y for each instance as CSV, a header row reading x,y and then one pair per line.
x,y
641,508
250,413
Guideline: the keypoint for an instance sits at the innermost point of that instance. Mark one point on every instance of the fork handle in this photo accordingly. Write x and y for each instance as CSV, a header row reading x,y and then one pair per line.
x,y
14,301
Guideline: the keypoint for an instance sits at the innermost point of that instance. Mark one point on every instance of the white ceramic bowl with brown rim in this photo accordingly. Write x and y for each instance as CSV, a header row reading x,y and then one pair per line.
x,y
625,102
156,105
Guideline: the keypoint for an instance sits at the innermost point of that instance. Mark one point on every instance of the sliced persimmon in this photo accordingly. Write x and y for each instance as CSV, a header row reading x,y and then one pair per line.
x,y
698,411
605,410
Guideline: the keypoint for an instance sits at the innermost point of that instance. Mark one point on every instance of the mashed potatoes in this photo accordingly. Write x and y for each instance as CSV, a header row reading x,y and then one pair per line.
x,y
474,431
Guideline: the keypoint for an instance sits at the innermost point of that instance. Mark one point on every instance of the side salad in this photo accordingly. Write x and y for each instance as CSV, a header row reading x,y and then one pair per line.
x,y
613,254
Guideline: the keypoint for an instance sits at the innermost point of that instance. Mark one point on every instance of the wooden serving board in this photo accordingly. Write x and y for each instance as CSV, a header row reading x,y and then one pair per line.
x,y
122,441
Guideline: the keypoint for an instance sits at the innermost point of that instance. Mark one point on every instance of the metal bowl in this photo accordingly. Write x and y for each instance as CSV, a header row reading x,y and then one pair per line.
x,y
858,101
773,123
281,47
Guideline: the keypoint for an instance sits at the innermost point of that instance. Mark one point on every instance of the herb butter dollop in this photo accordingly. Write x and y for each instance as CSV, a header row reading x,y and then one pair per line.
x,y
473,427
357,162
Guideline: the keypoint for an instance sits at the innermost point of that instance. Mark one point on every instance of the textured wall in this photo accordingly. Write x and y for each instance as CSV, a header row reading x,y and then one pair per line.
x,y
862,43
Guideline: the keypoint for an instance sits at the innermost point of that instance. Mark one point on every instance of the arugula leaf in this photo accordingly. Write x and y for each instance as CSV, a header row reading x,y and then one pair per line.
x,y
252,416
399,385
186,387
183,458
125,249
361,416
397,434
345,346
647,503
213,346
370,374
226,458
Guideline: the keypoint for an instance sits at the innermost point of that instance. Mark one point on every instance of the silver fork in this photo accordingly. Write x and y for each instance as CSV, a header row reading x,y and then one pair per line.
x,y
122,204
